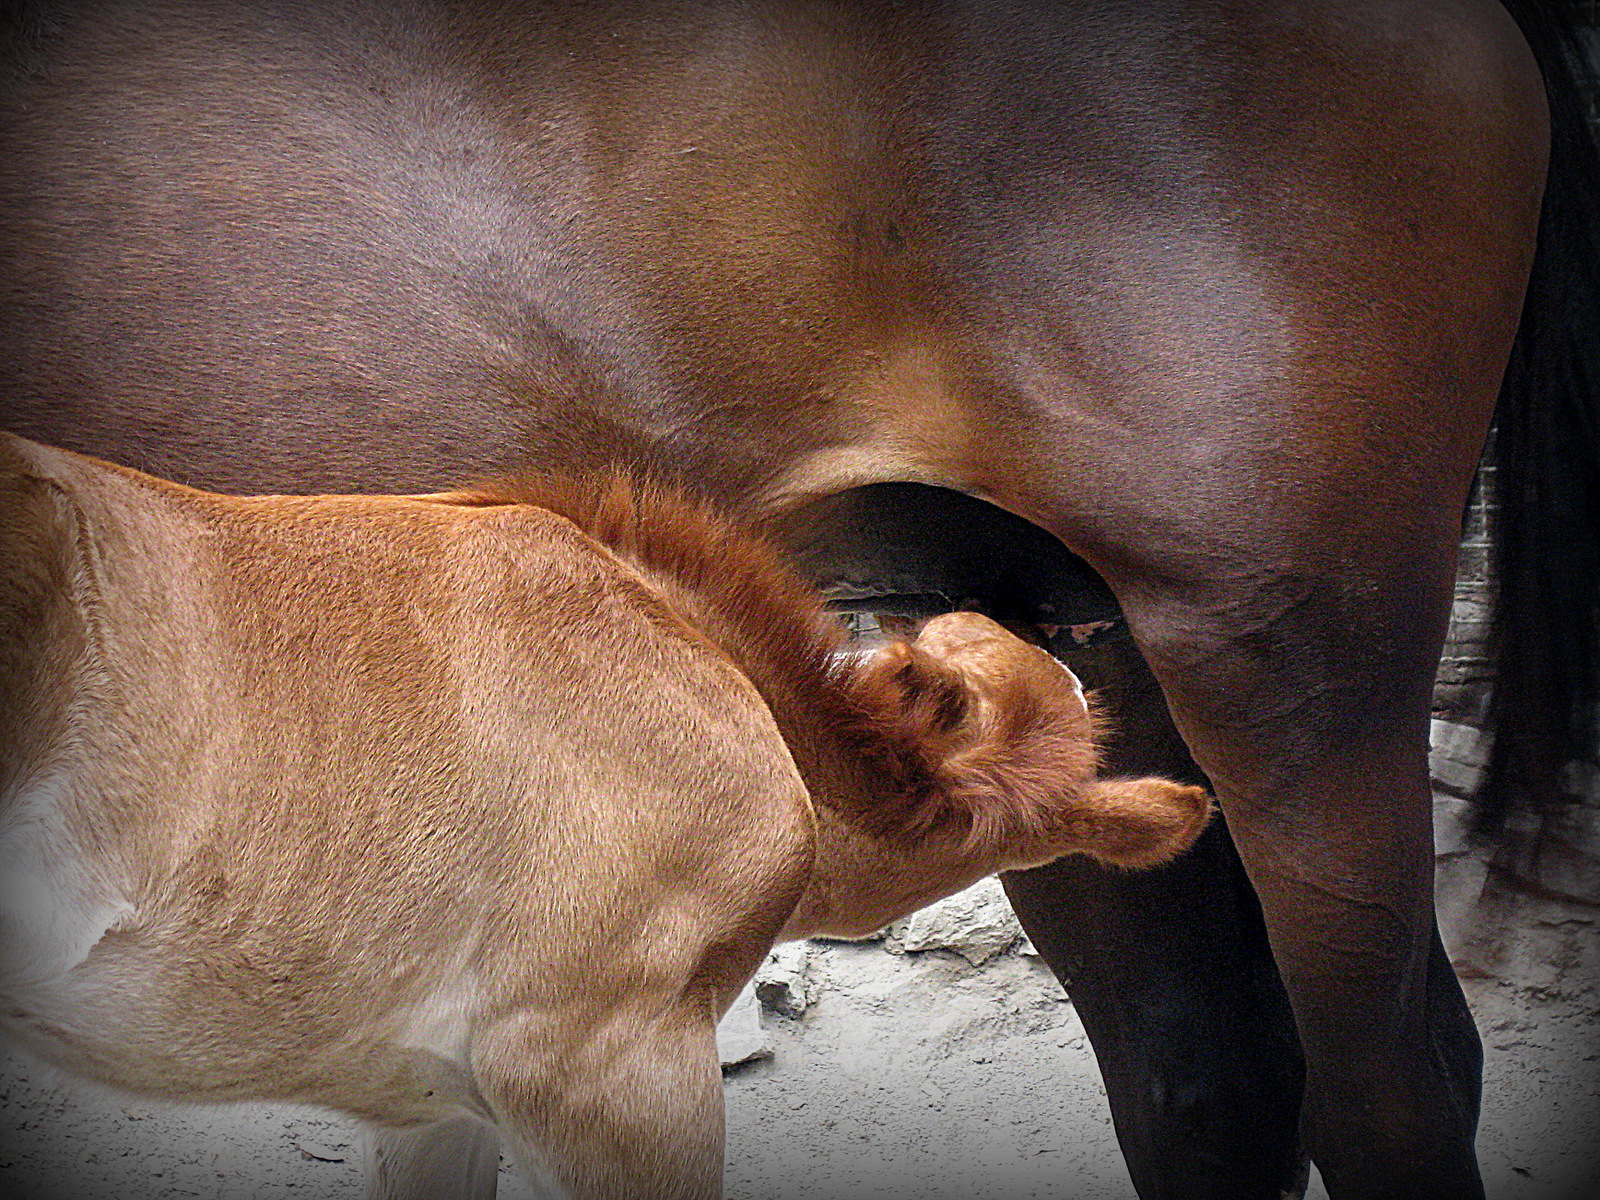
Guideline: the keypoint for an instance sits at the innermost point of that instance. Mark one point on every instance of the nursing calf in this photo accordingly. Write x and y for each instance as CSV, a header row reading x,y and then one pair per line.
x,y
469,814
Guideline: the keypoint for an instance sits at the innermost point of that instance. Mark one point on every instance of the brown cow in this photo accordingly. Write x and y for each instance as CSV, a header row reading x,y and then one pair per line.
x,y
478,808
1216,294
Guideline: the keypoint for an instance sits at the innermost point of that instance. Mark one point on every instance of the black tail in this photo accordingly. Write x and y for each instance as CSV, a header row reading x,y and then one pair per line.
x,y
1546,632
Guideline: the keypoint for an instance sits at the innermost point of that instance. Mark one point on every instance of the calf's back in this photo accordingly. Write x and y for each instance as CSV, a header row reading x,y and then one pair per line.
x,y
301,793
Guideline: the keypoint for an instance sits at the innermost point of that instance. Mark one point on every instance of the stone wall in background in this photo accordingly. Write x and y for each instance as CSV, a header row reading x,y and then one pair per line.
x,y
1461,691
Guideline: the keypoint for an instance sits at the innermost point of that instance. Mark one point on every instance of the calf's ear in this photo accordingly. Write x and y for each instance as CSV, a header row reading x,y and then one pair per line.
x,y
932,697
1140,823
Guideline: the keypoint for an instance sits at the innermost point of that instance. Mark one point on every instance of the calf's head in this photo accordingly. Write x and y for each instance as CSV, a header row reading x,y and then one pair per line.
x,y
1005,775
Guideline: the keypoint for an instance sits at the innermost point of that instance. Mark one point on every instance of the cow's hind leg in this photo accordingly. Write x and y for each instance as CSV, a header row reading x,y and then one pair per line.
x,y
1173,977
449,1160
1305,694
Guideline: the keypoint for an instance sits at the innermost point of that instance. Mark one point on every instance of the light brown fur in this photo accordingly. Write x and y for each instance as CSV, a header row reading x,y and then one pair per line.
x,y
477,807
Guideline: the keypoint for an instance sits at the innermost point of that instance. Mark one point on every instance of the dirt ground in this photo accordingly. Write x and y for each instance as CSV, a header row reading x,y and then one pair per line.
x,y
917,1076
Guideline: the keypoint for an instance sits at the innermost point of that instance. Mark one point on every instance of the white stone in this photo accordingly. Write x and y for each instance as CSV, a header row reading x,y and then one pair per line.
x,y
1458,883
1460,742
1452,825
1457,755
786,983
740,1038
977,924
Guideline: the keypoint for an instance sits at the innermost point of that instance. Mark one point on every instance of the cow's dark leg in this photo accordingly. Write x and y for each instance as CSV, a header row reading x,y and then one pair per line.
x,y
1170,970
1304,692
1172,975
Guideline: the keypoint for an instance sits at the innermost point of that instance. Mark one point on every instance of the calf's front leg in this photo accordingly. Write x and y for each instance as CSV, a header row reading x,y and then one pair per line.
x,y
630,1109
448,1160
